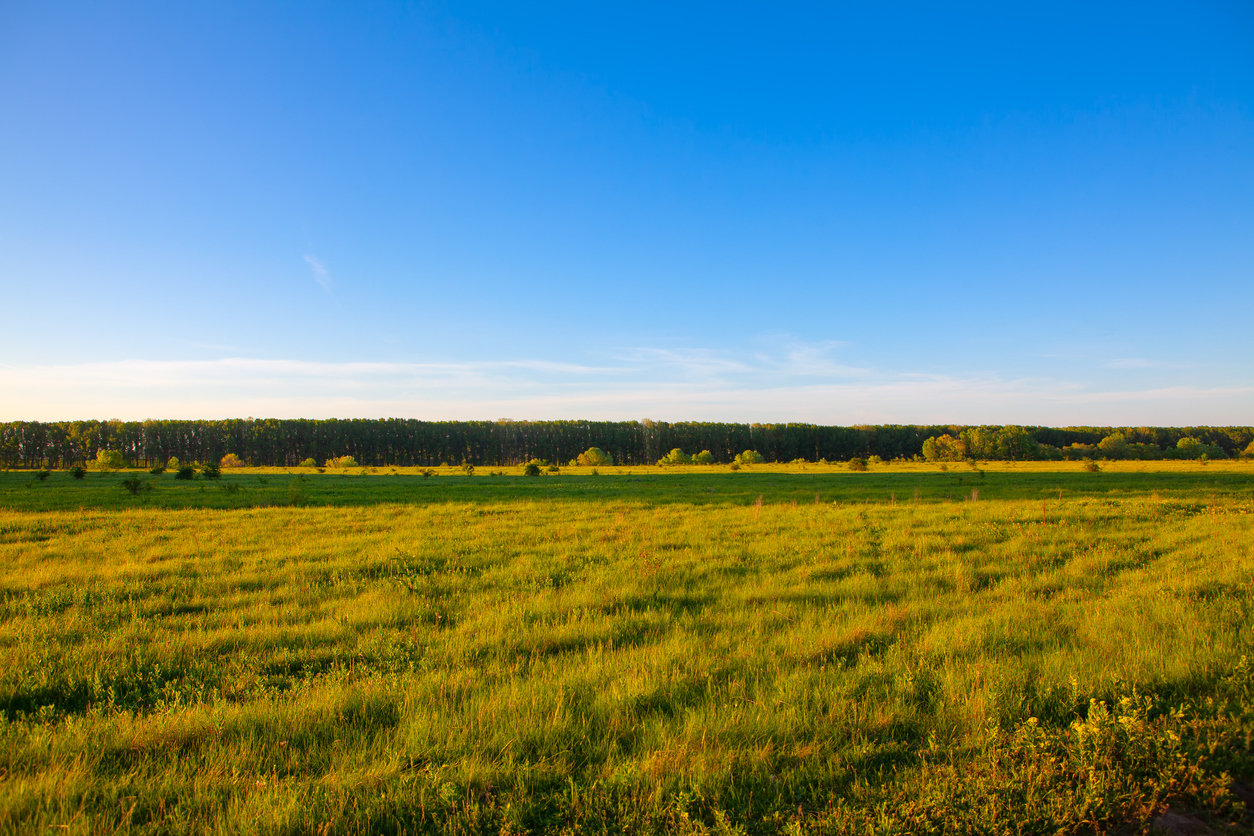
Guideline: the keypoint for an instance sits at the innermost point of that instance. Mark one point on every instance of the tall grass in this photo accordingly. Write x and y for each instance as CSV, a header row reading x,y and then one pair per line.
x,y
857,652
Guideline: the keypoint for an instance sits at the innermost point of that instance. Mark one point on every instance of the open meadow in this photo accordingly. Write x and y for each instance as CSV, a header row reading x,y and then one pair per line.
x,y
1018,648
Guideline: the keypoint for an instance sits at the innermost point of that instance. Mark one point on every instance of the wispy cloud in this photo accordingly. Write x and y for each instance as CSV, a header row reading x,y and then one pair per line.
x,y
666,385
321,274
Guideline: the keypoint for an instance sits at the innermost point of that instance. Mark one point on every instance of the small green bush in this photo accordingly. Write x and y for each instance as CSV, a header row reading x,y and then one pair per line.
x,y
857,464
704,457
749,457
107,460
468,468
341,461
185,471
173,463
531,468
675,456
735,465
1091,466
231,460
309,463
42,475
156,470
78,472
211,471
594,457
134,484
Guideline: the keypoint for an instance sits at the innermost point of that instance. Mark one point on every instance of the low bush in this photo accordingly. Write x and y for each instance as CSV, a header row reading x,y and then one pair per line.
x,y
231,460
184,471
749,457
675,456
134,484
468,468
594,457
107,460
704,457
42,475
78,472
157,470
1091,466
531,468
857,464
341,461
309,463
210,471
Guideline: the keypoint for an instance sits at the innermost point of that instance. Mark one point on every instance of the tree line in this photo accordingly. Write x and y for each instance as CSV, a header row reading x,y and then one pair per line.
x,y
407,442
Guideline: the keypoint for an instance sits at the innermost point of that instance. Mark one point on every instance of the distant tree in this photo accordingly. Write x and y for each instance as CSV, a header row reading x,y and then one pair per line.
x,y
946,448
749,457
704,457
1114,446
231,460
1016,443
107,460
594,457
675,456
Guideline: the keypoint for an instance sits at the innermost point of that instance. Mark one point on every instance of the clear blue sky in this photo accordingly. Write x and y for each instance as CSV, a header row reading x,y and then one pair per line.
x,y
874,212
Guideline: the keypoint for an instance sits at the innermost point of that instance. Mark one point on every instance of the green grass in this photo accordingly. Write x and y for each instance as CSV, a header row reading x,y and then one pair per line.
x,y
643,651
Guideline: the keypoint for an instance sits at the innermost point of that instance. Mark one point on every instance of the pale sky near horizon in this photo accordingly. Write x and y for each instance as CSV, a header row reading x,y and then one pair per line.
x,y
814,212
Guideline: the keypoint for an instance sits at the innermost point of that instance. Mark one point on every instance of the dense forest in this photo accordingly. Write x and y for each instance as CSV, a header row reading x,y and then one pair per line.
x,y
398,441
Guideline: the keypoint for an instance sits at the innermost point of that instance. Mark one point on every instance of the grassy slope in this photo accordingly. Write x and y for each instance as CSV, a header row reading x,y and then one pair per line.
x,y
650,652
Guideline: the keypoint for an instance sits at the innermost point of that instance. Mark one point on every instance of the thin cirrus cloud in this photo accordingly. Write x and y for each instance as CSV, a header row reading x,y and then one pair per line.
x,y
793,385
321,274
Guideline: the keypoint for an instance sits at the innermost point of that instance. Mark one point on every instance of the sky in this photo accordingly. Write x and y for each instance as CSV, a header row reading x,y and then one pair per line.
x,y
831,213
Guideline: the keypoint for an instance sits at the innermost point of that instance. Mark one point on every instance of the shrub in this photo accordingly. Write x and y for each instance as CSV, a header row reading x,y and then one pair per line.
x,y
341,461
1091,466
675,456
309,463
427,472
1248,453
749,457
185,471
134,484
156,470
857,464
468,468
552,469
531,468
173,463
42,475
704,457
211,471
109,460
594,457
875,460
735,465
78,471
231,460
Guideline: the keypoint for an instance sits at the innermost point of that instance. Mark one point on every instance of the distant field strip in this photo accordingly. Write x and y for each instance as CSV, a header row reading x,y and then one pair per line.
x,y
820,651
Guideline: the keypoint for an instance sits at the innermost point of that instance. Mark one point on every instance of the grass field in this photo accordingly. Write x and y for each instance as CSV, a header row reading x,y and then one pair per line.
x,y
1022,649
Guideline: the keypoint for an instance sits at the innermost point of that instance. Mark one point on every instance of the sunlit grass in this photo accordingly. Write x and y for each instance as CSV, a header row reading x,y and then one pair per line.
x,y
654,652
